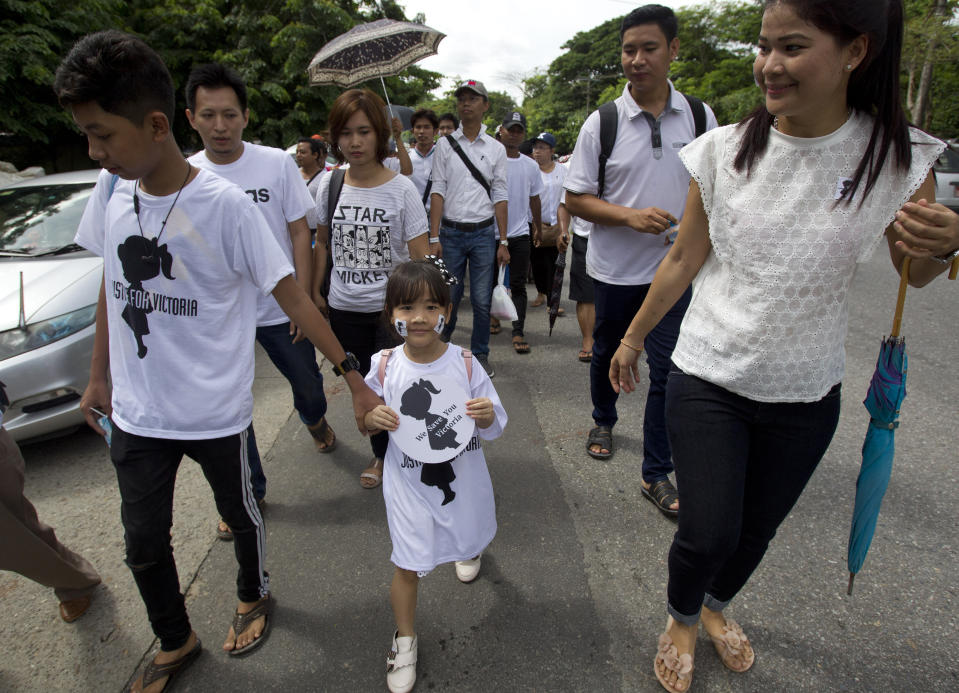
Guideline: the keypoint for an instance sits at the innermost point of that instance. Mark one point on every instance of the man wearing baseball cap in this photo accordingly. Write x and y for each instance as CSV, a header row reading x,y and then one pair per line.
x,y
524,187
469,191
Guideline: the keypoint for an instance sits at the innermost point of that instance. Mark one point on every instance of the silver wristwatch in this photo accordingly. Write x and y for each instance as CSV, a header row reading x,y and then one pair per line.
x,y
947,258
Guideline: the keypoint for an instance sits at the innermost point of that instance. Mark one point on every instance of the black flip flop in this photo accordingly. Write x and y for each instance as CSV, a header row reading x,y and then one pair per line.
x,y
663,494
242,621
154,672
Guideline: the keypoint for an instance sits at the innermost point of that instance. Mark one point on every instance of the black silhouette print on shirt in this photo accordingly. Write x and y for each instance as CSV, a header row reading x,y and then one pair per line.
x,y
415,403
142,259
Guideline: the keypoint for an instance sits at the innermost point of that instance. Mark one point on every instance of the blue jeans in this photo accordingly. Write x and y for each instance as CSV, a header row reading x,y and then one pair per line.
x,y
478,248
615,307
740,467
297,363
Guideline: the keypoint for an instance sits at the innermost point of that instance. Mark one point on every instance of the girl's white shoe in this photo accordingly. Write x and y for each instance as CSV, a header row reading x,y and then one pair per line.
x,y
401,664
467,571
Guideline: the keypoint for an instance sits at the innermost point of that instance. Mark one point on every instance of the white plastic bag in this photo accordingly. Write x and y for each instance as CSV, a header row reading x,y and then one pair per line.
x,y
502,307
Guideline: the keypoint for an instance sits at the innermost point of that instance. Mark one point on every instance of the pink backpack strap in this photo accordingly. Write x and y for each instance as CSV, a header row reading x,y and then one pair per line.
x,y
468,362
381,372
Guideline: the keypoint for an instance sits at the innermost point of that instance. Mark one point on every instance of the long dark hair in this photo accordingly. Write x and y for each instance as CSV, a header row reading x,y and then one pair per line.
x,y
873,86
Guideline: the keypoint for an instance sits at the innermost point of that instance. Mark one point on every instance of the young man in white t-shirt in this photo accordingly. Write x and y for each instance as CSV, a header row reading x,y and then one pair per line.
x,y
642,200
524,186
217,110
186,255
425,125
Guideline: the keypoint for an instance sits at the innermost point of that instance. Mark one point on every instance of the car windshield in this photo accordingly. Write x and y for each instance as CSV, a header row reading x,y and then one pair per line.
x,y
948,162
41,219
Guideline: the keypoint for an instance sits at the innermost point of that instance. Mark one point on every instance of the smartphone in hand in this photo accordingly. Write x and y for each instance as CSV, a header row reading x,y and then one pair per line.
x,y
104,423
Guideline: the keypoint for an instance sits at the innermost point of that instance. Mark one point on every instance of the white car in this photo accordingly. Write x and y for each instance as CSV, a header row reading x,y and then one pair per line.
x,y
947,179
48,298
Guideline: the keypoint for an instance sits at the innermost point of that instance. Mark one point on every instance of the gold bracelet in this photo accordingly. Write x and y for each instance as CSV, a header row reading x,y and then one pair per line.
x,y
638,350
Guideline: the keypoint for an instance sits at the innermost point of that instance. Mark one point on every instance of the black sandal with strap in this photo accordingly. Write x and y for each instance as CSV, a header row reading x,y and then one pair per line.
x,y
243,621
154,672
663,494
319,431
603,437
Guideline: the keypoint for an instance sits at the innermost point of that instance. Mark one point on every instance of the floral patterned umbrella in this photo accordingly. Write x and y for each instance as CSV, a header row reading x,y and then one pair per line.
x,y
376,49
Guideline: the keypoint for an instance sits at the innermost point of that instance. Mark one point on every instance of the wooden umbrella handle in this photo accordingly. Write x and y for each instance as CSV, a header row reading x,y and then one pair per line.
x,y
954,270
901,300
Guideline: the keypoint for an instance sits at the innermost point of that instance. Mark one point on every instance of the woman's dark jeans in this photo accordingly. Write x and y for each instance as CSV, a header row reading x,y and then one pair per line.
x,y
740,467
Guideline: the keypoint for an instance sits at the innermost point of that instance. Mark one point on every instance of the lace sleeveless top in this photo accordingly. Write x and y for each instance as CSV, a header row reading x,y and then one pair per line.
x,y
769,312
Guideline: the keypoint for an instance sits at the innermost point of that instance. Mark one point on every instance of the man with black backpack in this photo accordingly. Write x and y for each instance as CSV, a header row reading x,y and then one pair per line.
x,y
626,177
469,191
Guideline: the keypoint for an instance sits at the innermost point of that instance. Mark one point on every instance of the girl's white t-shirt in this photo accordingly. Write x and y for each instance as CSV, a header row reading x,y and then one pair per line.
x,y
426,532
370,232
193,308
769,312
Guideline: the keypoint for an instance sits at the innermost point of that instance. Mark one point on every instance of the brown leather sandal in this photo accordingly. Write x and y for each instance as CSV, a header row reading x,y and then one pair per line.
x,y
320,431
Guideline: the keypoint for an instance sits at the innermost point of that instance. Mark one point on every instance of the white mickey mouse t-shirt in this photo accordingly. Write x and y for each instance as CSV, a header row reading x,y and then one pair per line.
x,y
181,307
371,228
437,513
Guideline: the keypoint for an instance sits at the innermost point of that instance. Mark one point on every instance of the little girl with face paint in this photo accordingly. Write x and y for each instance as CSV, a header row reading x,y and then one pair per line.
x,y
437,513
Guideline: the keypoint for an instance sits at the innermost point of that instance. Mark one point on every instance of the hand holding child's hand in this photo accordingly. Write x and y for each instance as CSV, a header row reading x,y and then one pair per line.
x,y
382,418
481,411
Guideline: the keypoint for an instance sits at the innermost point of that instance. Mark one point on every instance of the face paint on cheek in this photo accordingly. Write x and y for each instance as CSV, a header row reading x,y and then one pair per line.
x,y
440,322
400,326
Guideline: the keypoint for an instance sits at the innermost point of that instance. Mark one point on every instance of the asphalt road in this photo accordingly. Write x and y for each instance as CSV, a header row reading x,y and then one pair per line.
x,y
571,595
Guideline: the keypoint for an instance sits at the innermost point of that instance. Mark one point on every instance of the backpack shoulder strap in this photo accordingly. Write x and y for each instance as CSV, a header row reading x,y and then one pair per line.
x,y
699,113
337,177
468,362
608,125
381,371
333,194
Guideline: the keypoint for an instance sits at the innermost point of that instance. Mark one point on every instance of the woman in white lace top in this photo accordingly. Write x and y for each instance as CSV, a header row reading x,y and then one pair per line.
x,y
782,208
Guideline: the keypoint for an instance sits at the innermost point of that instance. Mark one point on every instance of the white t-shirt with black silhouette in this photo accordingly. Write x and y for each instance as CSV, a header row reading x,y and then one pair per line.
x,y
272,180
182,312
425,530
371,228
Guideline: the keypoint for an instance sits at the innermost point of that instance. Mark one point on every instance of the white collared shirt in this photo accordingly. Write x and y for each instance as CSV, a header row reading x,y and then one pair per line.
x,y
637,176
422,169
524,183
464,199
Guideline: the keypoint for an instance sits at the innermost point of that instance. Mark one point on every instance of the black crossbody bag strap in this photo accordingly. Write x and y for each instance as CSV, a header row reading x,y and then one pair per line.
x,y
426,193
469,164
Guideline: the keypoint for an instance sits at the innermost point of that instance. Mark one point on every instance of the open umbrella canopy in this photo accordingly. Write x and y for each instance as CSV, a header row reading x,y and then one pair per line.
x,y
375,49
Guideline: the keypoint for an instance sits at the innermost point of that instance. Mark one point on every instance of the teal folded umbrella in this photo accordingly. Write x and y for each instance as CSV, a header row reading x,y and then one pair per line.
x,y
887,390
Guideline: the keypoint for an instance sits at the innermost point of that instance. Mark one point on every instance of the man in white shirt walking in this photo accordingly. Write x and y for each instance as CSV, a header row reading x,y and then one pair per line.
x,y
424,124
469,190
643,194
217,110
524,187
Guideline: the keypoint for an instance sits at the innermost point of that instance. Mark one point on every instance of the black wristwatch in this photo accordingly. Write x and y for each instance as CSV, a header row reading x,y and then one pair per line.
x,y
350,363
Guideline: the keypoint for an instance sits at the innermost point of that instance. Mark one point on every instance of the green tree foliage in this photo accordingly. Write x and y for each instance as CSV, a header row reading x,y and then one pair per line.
x,y
270,42
270,45
714,63
930,63
34,35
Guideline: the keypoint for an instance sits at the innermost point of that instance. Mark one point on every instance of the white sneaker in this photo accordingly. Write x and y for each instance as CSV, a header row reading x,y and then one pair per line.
x,y
401,664
467,571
